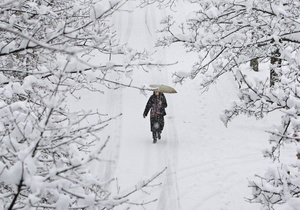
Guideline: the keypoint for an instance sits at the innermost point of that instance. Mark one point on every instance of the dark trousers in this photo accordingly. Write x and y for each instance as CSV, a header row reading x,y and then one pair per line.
x,y
157,123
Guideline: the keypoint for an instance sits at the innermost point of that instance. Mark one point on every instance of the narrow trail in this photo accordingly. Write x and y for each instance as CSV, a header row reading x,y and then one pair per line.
x,y
148,158
168,198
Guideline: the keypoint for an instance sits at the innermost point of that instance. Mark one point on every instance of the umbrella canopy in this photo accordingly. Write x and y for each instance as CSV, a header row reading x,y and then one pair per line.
x,y
163,88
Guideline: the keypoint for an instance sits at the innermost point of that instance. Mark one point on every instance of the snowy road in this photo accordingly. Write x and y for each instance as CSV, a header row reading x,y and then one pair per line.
x,y
147,158
208,165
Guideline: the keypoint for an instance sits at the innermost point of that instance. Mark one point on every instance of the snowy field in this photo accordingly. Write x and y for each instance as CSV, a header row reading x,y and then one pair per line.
x,y
208,165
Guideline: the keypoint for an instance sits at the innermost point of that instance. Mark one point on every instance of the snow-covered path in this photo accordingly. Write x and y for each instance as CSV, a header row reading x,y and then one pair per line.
x,y
147,158
208,165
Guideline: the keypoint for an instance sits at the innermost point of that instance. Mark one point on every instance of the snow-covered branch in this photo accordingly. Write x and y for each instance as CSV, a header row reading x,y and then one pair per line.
x,y
258,43
48,51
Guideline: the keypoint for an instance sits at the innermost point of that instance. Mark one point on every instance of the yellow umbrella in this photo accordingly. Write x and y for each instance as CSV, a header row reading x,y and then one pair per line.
x,y
163,88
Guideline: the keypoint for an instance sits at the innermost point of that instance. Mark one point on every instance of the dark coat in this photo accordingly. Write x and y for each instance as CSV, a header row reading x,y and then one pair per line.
x,y
155,101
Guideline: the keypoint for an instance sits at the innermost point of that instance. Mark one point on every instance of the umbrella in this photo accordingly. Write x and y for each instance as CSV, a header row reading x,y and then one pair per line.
x,y
163,88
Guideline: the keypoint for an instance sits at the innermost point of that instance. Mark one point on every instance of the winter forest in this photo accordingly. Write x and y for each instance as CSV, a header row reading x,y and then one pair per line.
x,y
74,81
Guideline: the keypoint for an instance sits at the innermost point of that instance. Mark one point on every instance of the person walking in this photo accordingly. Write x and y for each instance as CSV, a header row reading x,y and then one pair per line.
x,y
156,104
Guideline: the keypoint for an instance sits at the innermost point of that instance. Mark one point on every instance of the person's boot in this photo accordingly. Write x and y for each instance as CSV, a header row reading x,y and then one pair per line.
x,y
158,135
154,137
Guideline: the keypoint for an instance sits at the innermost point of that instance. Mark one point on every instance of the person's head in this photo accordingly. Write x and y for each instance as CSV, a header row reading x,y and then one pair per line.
x,y
156,92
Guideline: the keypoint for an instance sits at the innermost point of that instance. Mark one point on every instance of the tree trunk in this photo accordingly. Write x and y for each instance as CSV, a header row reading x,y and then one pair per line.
x,y
254,64
275,60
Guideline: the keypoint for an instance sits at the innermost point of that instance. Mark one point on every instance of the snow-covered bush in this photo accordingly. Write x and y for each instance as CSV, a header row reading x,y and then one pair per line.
x,y
228,36
45,148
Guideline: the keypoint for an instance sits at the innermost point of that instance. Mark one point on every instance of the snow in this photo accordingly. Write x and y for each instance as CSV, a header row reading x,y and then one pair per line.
x,y
198,164
208,165
98,9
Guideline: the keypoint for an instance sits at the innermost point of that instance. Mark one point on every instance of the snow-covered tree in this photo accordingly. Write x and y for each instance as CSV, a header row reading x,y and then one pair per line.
x,y
45,52
231,35
159,3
